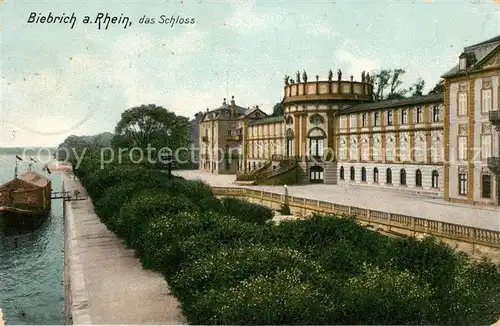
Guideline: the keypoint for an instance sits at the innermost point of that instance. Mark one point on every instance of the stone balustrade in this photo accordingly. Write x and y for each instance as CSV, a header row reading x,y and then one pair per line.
x,y
415,225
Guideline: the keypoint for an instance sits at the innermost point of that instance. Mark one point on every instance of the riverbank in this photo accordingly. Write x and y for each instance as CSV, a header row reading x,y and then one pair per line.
x,y
104,282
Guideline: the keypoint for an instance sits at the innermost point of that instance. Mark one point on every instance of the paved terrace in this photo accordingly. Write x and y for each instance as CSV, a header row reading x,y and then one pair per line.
x,y
386,200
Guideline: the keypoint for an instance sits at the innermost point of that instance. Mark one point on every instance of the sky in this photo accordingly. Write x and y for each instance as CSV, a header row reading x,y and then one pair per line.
x,y
58,81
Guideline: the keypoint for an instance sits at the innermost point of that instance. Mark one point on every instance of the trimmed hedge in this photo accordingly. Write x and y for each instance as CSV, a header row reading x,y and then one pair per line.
x,y
246,211
226,265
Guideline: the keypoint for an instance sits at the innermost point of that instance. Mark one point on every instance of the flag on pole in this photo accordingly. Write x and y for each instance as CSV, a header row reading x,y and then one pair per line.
x,y
46,168
19,158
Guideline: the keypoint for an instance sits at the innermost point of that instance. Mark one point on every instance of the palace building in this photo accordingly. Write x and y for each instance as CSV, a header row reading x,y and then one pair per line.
x,y
333,132
472,126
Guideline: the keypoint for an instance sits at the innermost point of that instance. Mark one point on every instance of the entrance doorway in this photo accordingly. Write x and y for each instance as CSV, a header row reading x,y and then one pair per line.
x,y
316,174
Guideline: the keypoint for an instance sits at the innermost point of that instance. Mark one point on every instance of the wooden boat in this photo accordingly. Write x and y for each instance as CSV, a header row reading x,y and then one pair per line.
x,y
26,194
25,203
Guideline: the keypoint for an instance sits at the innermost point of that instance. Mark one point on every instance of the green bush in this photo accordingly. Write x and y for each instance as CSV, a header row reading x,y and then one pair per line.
x,y
197,190
474,298
285,209
112,175
433,261
172,240
384,296
134,217
319,231
113,199
246,211
227,267
281,299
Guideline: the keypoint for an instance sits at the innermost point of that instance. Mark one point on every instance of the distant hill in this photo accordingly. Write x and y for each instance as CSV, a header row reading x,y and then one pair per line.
x,y
72,142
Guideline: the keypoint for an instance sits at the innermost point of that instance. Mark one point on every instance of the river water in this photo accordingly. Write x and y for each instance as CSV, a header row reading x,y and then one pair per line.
x,y
31,264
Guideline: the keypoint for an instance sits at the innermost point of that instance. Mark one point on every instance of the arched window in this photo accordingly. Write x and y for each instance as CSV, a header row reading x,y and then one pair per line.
x,y
353,173
316,142
435,179
375,175
363,174
418,178
289,120
342,173
388,176
316,174
402,177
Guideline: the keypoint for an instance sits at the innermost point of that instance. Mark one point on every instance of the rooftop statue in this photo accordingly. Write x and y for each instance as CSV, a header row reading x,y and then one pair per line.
x,y
339,75
298,76
330,75
304,76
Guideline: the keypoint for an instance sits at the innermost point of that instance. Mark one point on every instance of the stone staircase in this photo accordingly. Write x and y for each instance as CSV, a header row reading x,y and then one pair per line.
x,y
284,167
250,176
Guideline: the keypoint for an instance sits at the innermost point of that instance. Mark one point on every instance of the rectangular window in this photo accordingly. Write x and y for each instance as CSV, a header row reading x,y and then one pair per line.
x,y
389,118
435,114
462,104
485,146
316,148
353,121
462,148
365,118
376,119
486,185
419,115
289,150
462,184
404,117
486,101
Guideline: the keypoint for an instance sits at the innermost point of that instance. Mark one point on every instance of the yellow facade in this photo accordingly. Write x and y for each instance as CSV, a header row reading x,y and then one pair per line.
x,y
336,133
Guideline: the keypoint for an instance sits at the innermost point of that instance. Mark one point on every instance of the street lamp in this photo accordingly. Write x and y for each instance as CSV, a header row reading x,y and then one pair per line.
x,y
168,159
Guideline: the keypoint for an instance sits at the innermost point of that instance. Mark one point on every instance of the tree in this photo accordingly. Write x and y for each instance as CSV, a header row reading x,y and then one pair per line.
x,y
389,81
439,88
396,82
74,145
381,82
278,109
154,126
417,87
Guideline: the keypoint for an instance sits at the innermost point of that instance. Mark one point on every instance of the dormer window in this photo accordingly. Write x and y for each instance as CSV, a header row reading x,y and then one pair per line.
x,y
463,63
